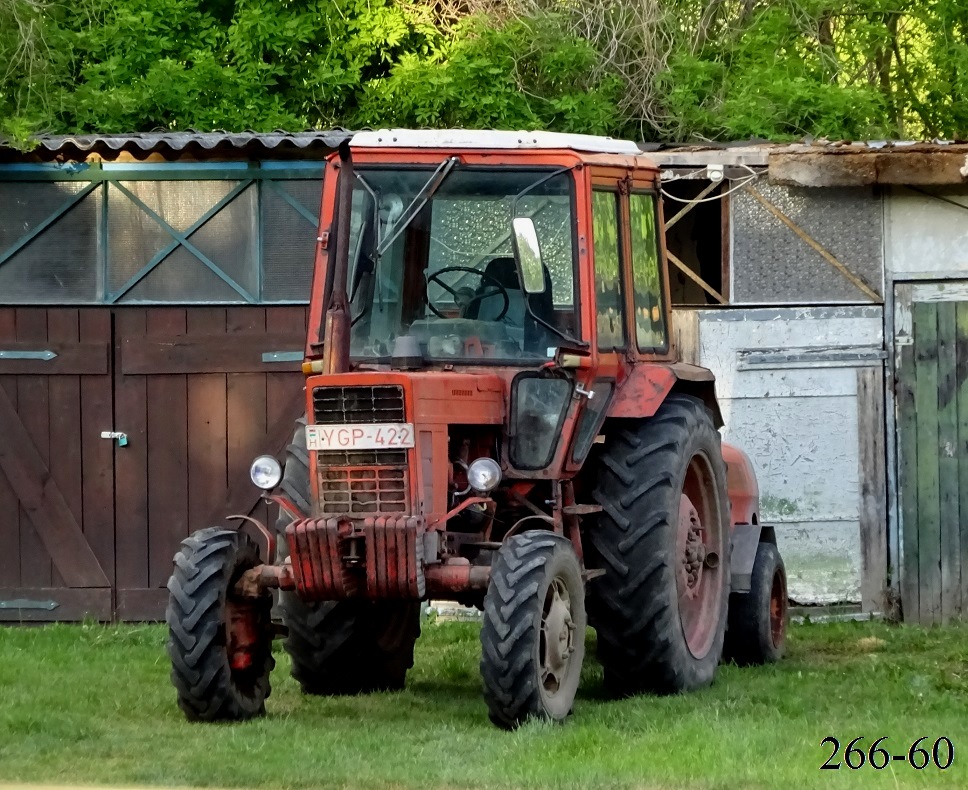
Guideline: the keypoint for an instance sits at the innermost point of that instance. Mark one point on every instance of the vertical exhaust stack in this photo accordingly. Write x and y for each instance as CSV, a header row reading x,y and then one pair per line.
x,y
336,352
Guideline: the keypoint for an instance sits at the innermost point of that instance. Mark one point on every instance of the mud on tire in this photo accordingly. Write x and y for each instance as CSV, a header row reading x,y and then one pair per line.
x,y
341,647
200,592
635,606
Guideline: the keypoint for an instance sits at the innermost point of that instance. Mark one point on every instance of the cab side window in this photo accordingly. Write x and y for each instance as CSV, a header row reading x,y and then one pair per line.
x,y
650,328
609,293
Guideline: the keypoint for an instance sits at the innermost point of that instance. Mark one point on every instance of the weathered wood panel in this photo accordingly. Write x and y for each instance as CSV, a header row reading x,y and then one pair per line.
x,y
926,406
56,513
238,352
961,340
36,568
872,472
948,497
72,358
130,462
68,604
204,415
932,416
907,427
97,454
9,504
167,414
787,382
207,474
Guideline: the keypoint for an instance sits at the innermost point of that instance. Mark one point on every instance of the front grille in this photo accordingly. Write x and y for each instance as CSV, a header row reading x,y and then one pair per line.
x,y
355,492
361,482
340,405
361,457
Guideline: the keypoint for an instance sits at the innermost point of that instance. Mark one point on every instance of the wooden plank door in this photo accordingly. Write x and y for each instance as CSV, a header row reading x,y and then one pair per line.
x,y
199,392
56,472
931,348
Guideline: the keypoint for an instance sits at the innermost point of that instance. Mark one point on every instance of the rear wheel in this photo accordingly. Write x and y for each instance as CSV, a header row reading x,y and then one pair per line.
x,y
662,540
341,647
533,636
758,619
220,644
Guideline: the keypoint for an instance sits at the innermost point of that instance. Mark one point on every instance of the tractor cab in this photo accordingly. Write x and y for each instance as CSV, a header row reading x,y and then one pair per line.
x,y
494,415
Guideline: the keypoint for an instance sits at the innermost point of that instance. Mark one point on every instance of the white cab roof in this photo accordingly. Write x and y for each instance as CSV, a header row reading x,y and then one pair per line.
x,y
483,138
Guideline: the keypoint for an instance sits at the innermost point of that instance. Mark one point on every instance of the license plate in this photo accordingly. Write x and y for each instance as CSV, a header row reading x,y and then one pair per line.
x,y
384,436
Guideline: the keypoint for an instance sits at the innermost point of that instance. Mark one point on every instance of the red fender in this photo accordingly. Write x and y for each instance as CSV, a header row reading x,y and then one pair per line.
x,y
647,386
744,493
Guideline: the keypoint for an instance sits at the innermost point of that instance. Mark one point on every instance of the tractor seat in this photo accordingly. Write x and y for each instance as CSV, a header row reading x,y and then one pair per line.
x,y
529,333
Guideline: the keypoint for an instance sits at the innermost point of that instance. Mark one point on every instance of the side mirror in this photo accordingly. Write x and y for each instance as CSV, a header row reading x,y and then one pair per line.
x,y
527,254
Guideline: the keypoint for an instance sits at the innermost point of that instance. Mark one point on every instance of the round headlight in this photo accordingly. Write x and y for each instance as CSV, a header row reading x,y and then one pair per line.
x,y
483,474
265,472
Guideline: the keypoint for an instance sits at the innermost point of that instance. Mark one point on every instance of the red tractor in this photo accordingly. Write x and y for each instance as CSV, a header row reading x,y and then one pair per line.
x,y
495,415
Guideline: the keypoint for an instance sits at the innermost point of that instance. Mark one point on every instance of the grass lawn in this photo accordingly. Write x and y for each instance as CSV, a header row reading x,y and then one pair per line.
x,y
93,705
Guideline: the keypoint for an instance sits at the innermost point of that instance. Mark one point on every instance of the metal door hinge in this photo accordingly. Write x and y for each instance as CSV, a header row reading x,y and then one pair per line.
x,y
23,603
45,355
283,356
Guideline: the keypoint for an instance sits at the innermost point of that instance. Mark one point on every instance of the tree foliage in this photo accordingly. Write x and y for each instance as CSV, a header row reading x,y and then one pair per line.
x,y
649,69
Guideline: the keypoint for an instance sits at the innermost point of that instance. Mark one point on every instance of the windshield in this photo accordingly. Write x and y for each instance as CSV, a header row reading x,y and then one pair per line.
x,y
442,271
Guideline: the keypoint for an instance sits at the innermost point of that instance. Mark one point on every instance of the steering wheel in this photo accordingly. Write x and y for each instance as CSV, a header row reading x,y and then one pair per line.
x,y
461,298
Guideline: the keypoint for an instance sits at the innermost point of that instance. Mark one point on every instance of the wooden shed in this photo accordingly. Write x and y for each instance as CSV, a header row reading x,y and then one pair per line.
x,y
153,295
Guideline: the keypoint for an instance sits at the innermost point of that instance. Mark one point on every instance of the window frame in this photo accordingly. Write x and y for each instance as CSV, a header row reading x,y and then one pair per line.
x,y
662,265
613,186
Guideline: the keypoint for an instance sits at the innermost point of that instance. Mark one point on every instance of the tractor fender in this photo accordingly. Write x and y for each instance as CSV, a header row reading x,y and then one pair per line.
x,y
744,493
648,385
742,553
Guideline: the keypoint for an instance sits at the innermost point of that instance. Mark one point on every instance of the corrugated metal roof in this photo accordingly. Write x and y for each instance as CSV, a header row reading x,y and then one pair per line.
x,y
172,145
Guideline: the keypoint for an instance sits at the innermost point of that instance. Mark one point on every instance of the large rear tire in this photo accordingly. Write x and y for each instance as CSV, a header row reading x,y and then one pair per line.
x,y
758,618
663,541
533,636
341,647
220,645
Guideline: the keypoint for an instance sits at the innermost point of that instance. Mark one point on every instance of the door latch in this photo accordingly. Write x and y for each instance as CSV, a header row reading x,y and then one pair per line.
x,y
119,436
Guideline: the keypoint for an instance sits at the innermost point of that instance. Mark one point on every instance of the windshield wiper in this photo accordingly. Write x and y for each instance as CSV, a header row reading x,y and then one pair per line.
x,y
417,204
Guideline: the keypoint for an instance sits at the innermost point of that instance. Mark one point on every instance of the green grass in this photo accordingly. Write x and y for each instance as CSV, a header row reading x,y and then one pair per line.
x,y
93,705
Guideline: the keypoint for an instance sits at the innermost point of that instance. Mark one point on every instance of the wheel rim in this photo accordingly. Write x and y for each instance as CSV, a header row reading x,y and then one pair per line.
x,y
699,548
778,607
557,642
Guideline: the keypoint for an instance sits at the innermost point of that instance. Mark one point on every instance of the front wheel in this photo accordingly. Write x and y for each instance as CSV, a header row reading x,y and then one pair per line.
x,y
220,644
533,636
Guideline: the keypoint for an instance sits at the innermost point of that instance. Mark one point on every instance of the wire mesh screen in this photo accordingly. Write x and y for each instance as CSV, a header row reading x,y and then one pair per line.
x,y
181,277
141,244
772,263
289,240
308,193
158,241
60,264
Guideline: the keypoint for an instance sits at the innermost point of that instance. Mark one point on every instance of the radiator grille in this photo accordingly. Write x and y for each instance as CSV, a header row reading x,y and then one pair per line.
x,y
361,482
362,457
355,491
376,404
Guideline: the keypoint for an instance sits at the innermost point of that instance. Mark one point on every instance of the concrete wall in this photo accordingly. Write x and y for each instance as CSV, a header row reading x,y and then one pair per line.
x,y
787,382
